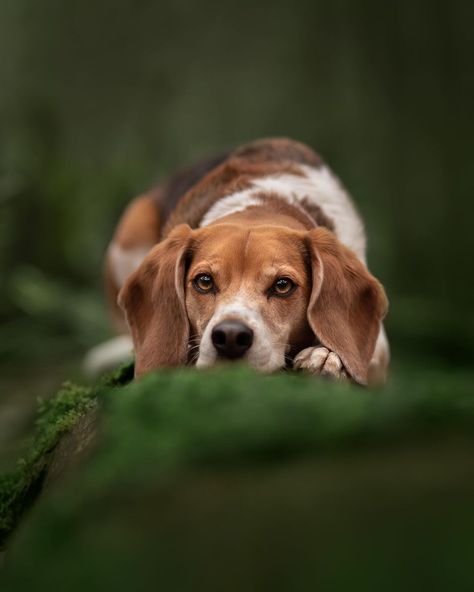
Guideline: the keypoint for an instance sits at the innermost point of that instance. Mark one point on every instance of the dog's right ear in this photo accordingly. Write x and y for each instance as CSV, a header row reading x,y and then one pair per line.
x,y
153,301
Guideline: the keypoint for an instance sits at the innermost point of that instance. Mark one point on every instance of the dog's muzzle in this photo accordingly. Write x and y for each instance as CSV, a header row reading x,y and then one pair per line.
x,y
231,339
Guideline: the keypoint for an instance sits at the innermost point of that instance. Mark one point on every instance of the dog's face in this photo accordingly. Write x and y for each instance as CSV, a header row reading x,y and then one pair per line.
x,y
247,294
258,293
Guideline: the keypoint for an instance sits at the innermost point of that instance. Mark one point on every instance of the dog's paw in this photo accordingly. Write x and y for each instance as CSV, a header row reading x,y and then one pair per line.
x,y
322,362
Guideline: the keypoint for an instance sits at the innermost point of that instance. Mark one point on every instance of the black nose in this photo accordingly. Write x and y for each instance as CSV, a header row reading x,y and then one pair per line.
x,y
232,339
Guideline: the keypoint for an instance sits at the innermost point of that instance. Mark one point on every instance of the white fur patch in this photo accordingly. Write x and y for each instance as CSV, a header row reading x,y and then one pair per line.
x,y
264,354
123,262
237,202
108,355
329,194
318,186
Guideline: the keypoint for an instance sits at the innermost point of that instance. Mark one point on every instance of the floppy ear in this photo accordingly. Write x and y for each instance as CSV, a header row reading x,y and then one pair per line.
x,y
347,303
153,301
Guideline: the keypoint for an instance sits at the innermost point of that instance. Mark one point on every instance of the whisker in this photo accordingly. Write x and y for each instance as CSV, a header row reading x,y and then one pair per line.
x,y
194,345
194,358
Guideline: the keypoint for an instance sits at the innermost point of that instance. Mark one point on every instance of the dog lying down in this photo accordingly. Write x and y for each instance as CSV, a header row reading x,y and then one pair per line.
x,y
257,255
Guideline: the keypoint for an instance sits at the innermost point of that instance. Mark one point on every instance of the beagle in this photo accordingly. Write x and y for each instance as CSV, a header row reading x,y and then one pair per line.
x,y
257,255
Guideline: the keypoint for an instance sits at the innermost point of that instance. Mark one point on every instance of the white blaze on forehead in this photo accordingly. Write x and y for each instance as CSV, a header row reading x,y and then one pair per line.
x,y
316,186
239,308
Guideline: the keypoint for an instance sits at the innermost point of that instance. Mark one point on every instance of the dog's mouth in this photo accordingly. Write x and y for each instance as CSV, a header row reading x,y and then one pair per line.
x,y
194,354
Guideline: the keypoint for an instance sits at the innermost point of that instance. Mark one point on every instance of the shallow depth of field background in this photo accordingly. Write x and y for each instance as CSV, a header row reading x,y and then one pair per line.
x,y
100,100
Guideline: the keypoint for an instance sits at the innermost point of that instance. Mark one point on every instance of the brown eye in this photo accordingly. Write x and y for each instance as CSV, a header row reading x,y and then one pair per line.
x,y
283,286
203,283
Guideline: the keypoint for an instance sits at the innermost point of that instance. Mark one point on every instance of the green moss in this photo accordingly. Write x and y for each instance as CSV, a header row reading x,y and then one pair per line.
x,y
240,481
55,417
186,418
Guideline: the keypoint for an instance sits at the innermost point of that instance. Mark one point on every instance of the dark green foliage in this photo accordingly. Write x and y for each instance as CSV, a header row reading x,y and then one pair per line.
x,y
234,479
227,480
56,416
188,418
95,109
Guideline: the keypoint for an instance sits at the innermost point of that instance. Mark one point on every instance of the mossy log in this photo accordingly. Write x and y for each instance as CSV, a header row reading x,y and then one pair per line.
x,y
227,480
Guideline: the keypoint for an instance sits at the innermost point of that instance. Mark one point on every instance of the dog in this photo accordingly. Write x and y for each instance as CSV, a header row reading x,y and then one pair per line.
x,y
256,255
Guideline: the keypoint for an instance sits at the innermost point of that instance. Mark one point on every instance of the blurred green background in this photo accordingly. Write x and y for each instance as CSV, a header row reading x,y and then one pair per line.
x,y
99,100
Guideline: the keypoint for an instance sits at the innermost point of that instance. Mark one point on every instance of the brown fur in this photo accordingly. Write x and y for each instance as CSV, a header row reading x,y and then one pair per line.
x,y
186,196
347,304
317,214
163,309
338,303
278,150
249,162
173,189
234,175
139,226
341,302
247,258
140,223
153,300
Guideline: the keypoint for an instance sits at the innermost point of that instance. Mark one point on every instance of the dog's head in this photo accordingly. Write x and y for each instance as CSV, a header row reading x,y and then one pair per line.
x,y
259,293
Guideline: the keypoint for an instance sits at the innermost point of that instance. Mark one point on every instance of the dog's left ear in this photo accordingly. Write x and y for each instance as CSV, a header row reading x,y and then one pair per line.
x,y
347,303
153,301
